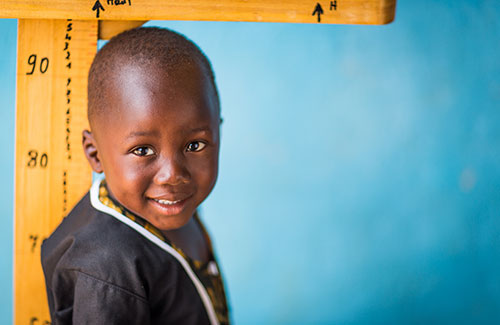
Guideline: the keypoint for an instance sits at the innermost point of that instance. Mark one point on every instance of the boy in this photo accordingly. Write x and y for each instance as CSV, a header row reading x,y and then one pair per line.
x,y
133,250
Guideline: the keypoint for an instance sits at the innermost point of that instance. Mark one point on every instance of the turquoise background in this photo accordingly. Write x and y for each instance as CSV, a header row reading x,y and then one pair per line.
x,y
360,167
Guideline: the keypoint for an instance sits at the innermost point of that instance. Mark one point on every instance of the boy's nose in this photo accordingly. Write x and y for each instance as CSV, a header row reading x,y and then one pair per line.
x,y
172,172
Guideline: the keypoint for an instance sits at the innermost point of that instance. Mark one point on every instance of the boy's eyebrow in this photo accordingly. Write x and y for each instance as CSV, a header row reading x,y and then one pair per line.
x,y
201,129
153,133
141,134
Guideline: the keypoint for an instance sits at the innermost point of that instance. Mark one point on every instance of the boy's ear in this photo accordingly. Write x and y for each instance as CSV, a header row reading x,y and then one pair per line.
x,y
90,150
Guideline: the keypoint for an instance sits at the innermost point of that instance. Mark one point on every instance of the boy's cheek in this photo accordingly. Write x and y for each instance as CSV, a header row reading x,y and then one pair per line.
x,y
205,169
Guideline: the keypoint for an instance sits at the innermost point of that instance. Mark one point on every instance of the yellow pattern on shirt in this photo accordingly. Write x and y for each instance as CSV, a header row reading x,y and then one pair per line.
x,y
212,282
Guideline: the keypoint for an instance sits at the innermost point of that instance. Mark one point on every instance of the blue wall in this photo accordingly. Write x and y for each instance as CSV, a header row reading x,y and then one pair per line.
x,y
360,166
8,39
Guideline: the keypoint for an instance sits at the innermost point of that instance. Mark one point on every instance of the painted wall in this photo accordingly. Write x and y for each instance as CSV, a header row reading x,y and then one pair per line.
x,y
360,166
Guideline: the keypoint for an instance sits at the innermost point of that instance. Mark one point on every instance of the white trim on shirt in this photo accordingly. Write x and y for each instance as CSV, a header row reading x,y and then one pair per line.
x,y
205,298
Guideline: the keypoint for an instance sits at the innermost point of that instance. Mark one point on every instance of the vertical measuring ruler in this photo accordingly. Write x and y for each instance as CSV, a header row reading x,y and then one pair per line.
x,y
51,172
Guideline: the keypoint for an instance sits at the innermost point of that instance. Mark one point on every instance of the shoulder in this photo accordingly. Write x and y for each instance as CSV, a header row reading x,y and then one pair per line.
x,y
94,261
94,245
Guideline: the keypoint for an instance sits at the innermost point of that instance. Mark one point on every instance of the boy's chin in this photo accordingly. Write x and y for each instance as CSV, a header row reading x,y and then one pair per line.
x,y
171,222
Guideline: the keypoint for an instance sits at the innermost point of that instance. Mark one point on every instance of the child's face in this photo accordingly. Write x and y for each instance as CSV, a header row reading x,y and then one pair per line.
x,y
159,144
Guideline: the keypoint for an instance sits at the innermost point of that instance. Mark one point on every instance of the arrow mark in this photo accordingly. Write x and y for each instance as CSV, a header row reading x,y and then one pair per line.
x,y
318,11
97,6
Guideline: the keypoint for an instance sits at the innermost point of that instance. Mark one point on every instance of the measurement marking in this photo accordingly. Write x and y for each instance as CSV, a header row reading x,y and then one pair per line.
x,y
44,64
318,10
65,192
97,6
34,321
67,48
33,238
33,161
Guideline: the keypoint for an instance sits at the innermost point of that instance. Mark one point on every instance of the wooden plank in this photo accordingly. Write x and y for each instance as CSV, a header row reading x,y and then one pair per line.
x,y
110,28
51,173
290,11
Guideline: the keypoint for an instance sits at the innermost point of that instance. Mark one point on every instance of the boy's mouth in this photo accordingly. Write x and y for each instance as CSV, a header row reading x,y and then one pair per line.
x,y
167,202
170,207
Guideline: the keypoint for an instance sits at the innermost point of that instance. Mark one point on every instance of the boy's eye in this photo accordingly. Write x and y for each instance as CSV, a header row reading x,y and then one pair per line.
x,y
195,146
143,151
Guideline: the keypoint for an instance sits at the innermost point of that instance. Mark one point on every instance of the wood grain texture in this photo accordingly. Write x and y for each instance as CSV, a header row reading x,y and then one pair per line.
x,y
290,11
110,28
51,173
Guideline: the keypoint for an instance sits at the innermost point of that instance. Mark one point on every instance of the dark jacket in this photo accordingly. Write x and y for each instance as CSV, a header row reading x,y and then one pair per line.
x,y
98,270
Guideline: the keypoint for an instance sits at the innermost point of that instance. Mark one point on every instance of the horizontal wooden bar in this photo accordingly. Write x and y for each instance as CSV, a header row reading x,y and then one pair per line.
x,y
286,11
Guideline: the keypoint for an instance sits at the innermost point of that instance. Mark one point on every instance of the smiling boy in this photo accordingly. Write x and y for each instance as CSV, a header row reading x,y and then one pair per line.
x,y
133,250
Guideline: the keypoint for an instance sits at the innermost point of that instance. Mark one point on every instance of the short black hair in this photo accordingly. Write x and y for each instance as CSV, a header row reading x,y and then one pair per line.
x,y
158,48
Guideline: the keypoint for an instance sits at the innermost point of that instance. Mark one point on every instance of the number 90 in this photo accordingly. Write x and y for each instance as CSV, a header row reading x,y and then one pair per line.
x,y
44,64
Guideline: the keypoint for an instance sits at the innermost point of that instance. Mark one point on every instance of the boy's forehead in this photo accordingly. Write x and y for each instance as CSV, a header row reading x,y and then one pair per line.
x,y
151,93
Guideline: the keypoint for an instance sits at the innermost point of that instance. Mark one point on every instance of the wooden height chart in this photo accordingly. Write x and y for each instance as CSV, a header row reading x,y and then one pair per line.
x,y
57,40
51,171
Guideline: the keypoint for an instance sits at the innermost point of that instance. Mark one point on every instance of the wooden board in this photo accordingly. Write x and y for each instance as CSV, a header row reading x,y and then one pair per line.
x,y
109,28
51,173
290,11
